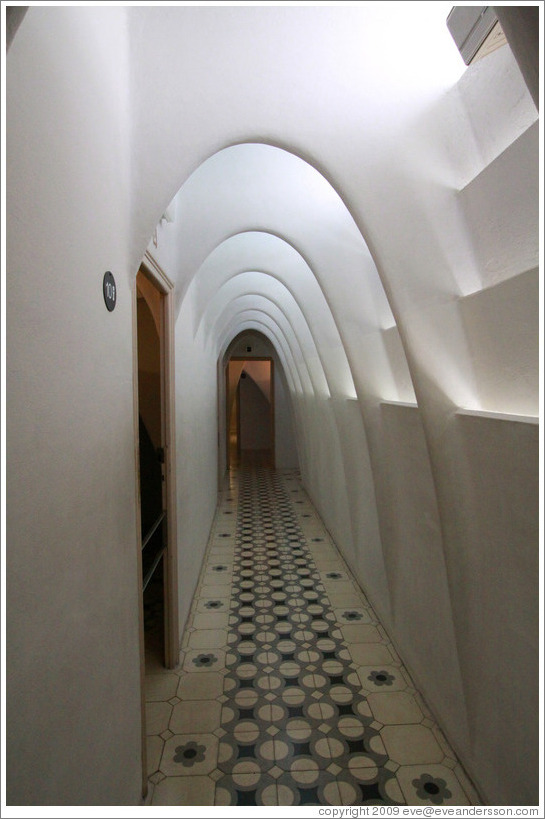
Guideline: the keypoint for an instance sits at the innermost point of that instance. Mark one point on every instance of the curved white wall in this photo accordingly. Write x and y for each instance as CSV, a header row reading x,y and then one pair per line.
x,y
376,220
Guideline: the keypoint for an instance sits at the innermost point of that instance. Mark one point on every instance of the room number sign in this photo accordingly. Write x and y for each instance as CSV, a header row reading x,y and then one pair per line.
x,y
109,290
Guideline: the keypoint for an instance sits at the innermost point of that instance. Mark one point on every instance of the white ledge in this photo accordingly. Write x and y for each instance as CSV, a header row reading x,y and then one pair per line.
x,y
499,416
406,404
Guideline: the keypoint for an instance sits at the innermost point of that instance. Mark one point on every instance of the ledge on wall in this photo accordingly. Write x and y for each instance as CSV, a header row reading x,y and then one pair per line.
x,y
403,404
475,413
498,416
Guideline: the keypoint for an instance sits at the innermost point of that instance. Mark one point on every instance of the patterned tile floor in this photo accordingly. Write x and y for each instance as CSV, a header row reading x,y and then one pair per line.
x,y
289,691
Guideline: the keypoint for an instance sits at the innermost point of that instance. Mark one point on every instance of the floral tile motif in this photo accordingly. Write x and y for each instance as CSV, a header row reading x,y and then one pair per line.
x,y
381,678
204,660
293,707
433,785
351,615
189,755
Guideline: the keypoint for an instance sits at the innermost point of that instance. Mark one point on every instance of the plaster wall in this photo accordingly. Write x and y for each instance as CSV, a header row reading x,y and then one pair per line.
x,y
414,285
505,237
500,323
421,613
196,453
73,666
285,441
492,522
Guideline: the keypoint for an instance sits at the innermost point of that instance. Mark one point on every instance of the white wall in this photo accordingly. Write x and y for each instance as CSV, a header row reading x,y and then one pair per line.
x,y
196,451
403,271
285,442
73,706
421,606
494,589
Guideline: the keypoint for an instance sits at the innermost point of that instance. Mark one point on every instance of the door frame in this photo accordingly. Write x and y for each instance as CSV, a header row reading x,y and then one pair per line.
x,y
158,278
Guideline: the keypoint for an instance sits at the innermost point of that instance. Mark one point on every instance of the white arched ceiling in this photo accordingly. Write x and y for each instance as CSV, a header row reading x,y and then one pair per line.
x,y
310,302
258,186
263,237
319,80
274,336
299,355
396,137
259,207
262,233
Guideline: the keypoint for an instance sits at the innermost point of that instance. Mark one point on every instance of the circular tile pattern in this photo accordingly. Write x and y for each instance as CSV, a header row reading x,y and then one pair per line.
x,y
296,721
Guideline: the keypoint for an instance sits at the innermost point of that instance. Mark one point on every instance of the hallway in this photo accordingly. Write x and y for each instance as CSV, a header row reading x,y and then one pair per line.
x,y
332,189
288,691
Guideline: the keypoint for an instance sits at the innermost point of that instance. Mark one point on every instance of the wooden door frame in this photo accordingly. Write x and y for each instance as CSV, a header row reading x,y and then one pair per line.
x,y
154,273
273,416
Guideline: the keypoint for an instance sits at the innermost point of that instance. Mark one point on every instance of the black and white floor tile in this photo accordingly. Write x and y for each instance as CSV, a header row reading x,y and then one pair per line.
x,y
289,691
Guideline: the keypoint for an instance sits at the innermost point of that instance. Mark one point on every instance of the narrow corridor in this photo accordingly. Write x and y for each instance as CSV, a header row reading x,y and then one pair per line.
x,y
289,691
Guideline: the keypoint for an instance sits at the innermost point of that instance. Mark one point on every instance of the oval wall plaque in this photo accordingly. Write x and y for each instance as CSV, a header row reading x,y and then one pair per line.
x,y
109,290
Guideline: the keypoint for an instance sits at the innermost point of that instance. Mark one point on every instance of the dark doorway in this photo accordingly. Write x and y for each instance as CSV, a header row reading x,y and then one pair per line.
x,y
250,412
152,478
